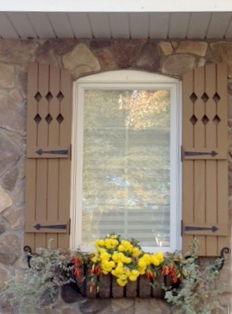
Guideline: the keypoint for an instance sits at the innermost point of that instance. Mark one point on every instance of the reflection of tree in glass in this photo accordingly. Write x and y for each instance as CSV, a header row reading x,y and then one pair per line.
x,y
126,153
146,109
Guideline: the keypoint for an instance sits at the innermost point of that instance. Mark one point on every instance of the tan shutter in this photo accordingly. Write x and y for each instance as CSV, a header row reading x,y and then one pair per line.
x,y
204,154
47,196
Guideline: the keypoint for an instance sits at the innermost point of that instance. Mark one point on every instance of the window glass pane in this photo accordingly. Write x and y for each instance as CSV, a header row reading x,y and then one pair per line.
x,y
126,165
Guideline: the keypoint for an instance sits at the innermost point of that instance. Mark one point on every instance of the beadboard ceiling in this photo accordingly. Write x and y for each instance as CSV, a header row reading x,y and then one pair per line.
x,y
162,25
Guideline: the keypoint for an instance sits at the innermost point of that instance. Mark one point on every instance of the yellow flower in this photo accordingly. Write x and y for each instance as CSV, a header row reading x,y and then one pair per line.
x,y
141,263
142,271
121,283
135,252
135,272
133,278
121,248
154,260
160,257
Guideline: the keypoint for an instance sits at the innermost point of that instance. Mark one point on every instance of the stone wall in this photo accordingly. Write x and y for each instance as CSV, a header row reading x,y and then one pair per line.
x,y
83,57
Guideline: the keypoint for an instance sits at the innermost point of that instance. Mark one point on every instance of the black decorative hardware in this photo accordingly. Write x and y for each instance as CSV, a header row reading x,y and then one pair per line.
x,y
213,229
212,153
225,250
55,152
57,227
27,249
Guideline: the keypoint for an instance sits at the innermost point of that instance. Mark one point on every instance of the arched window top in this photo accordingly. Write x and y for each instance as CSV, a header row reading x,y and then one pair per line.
x,y
130,76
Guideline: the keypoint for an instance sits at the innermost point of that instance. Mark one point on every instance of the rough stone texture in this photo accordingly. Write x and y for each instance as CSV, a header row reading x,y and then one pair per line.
x,y
68,310
45,54
3,277
121,304
222,51
2,227
12,117
9,153
80,61
17,51
5,200
9,248
178,64
10,178
15,96
126,51
18,193
149,58
106,59
15,217
70,294
6,76
166,47
94,306
151,306
198,48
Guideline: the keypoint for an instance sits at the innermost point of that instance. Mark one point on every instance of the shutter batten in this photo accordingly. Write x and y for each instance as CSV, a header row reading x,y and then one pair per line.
x,y
204,155
48,154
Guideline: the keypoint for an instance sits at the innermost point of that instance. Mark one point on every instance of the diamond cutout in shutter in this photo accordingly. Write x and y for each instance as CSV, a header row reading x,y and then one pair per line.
x,y
60,96
38,96
193,97
193,119
216,119
205,120
216,97
37,118
205,97
59,118
49,96
48,118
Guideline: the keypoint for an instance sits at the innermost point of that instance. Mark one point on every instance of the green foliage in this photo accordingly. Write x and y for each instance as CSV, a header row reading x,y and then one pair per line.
x,y
197,293
37,288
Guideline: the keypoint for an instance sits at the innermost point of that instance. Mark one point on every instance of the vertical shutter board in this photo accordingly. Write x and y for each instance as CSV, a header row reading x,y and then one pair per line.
x,y
223,215
222,135
42,164
210,87
188,111
211,165
199,142
188,201
30,196
211,205
210,182
188,139
65,165
53,164
199,108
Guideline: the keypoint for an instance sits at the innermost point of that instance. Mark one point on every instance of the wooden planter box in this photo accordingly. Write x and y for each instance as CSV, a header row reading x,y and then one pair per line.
x,y
108,288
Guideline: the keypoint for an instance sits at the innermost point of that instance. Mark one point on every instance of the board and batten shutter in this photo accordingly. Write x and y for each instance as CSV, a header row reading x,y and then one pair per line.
x,y
204,156
47,195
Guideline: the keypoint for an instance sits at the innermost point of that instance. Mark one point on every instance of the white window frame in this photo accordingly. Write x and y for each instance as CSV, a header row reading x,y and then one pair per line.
x,y
126,79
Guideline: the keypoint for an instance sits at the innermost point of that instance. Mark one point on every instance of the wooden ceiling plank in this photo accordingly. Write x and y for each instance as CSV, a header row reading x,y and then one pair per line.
x,y
22,24
198,26
61,25
80,25
179,25
41,24
159,25
6,28
218,25
119,25
139,23
100,25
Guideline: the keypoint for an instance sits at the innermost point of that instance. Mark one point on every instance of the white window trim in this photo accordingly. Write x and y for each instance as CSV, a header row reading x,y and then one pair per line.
x,y
128,79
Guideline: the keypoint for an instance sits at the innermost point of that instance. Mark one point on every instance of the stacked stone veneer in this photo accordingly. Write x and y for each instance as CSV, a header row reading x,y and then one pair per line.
x,y
83,57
